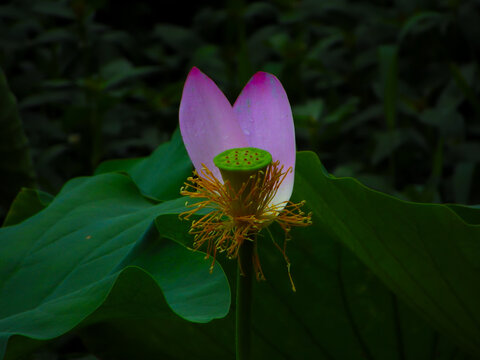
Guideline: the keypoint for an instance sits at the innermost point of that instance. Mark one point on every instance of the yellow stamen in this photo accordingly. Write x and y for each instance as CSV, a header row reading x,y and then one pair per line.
x,y
238,215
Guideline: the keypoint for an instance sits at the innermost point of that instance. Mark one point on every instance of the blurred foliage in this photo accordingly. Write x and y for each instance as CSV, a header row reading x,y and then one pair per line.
x,y
16,165
386,91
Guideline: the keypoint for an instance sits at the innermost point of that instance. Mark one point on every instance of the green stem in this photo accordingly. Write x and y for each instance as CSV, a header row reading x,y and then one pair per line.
x,y
244,301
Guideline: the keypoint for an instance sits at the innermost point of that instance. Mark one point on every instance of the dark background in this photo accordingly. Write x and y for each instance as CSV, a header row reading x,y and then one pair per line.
x,y
385,91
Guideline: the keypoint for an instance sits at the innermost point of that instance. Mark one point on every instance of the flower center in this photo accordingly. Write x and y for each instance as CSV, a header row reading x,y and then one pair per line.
x,y
243,159
239,165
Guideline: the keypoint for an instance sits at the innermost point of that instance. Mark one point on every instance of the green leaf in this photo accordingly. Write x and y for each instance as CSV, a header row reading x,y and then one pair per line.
x,y
44,98
389,141
469,214
118,165
183,40
461,81
447,119
160,175
95,246
425,253
54,8
342,111
54,36
308,113
121,70
15,164
27,203
420,22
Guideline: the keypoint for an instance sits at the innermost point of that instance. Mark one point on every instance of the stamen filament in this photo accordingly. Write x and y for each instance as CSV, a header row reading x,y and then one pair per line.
x,y
237,214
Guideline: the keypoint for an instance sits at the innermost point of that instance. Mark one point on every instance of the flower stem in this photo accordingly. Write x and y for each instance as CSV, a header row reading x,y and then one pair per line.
x,y
244,301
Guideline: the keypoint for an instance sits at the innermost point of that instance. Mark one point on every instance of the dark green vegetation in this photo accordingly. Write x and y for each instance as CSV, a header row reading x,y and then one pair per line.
x,y
387,92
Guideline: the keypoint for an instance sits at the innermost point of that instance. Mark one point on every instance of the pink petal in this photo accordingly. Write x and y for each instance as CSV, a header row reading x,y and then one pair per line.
x,y
207,122
265,117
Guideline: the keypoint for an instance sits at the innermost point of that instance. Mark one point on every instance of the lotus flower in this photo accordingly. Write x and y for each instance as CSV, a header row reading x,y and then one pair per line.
x,y
260,122
261,117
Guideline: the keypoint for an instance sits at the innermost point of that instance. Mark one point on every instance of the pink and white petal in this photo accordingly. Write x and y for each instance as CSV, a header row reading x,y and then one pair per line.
x,y
265,116
207,122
